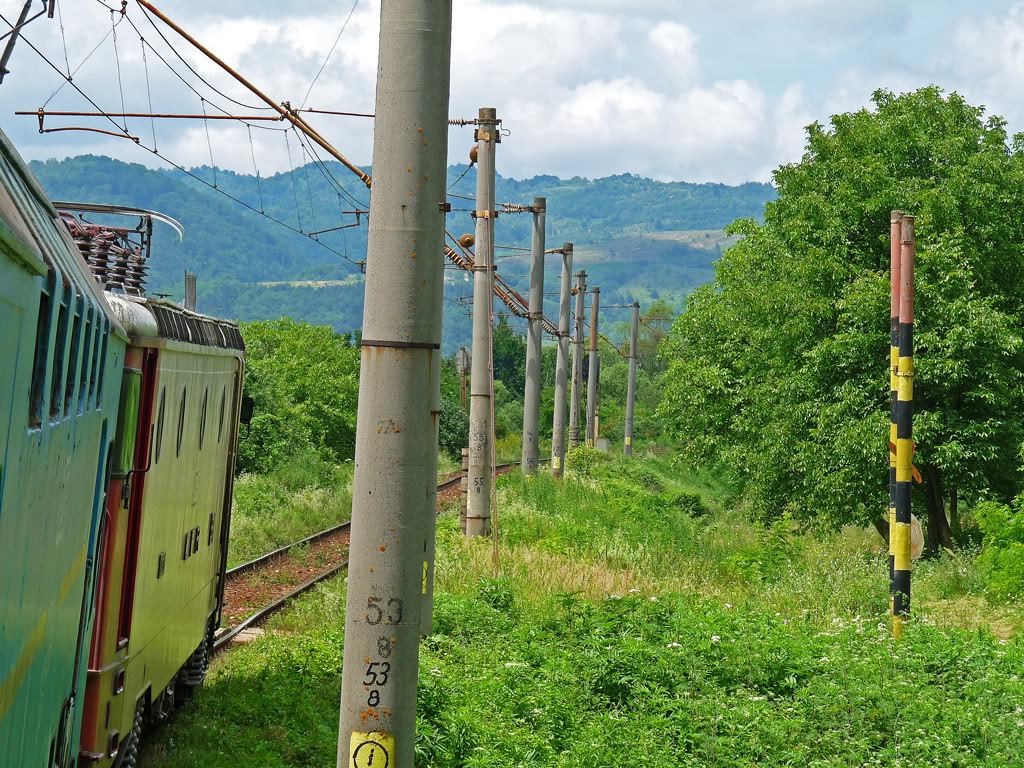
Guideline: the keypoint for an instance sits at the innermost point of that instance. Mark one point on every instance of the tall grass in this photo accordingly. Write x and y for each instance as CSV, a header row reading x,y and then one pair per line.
x,y
639,620
303,496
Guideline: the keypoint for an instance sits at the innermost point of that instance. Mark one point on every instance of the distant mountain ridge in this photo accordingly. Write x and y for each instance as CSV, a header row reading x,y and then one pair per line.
x,y
635,234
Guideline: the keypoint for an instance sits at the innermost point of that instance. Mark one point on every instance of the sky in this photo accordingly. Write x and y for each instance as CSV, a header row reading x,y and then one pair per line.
x,y
677,90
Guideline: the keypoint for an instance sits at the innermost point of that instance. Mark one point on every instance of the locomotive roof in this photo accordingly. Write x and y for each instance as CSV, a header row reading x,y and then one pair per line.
x,y
150,318
33,231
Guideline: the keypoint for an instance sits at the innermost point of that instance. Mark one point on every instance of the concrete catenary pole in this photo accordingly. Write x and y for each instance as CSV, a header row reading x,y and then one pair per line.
x,y
577,359
386,567
561,366
900,533
478,518
593,370
627,446
531,396
895,239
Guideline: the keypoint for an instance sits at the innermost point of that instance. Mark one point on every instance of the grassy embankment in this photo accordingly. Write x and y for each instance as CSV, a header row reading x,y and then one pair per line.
x,y
640,620
297,500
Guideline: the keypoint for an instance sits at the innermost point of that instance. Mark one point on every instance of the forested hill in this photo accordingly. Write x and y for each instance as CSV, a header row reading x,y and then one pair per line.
x,y
637,235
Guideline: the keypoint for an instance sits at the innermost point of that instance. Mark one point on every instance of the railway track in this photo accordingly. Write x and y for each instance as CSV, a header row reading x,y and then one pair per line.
x,y
333,537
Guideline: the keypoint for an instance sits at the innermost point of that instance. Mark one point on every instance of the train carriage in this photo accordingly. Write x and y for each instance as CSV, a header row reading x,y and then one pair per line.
x,y
161,568
61,365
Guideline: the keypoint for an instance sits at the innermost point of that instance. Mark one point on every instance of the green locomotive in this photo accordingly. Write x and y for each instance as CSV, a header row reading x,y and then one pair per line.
x,y
119,416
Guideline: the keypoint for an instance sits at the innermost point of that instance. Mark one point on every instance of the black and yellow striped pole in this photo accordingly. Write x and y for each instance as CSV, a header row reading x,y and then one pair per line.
x,y
895,241
899,534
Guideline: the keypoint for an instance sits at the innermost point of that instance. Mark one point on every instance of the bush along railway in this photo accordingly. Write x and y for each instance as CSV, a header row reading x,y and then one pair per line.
x,y
119,427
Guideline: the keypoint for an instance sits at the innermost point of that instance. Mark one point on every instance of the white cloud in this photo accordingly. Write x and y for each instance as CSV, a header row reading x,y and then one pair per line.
x,y
586,87
678,45
987,61
791,117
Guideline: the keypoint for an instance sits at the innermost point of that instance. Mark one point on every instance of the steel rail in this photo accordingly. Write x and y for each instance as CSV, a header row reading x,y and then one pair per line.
x,y
225,639
258,562
274,607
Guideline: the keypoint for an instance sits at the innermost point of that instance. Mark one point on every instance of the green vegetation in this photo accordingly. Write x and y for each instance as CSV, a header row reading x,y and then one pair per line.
x,y
303,496
1002,560
305,383
778,367
637,613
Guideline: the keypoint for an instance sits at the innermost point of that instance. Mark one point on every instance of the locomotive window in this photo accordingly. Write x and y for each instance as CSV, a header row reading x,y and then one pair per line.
x,y
43,324
76,343
202,418
83,382
160,422
181,421
59,356
220,426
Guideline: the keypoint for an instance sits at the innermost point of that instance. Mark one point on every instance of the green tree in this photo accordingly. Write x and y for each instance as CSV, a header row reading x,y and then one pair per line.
x,y
454,419
305,381
779,366
509,357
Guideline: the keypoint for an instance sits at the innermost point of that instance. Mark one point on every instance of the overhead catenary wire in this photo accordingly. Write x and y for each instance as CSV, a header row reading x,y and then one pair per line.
x,y
329,53
252,151
330,177
70,75
157,153
63,39
117,62
209,144
189,66
291,173
283,109
309,188
149,94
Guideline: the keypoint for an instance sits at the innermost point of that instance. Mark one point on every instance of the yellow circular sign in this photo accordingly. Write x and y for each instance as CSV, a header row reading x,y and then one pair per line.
x,y
370,754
